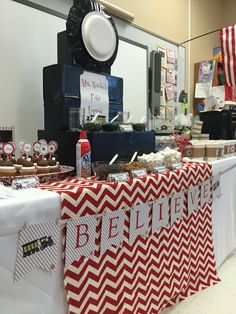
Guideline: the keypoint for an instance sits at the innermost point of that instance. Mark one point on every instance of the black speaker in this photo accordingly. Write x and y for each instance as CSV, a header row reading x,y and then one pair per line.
x,y
61,94
155,82
64,54
218,124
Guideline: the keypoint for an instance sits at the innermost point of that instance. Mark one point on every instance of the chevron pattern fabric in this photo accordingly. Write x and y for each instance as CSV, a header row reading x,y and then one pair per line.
x,y
152,273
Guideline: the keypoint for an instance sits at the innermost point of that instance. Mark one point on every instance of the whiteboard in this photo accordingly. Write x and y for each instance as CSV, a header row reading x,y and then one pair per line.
x,y
131,65
28,40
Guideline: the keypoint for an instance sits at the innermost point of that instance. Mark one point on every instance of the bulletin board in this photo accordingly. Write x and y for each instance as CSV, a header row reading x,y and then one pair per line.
x,y
155,42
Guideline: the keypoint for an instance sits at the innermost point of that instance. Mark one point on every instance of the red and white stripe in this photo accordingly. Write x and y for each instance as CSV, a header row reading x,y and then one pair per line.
x,y
152,273
228,48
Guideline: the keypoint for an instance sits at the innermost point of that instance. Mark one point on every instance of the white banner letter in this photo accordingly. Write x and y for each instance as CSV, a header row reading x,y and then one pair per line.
x,y
160,213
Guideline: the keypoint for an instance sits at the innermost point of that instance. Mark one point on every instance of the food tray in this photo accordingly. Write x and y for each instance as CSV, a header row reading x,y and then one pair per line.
x,y
64,172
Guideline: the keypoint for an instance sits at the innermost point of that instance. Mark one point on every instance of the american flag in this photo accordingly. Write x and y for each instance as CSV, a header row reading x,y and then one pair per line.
x,y
228,48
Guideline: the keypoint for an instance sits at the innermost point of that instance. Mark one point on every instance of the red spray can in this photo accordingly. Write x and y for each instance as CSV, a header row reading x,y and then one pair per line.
x,y
83,156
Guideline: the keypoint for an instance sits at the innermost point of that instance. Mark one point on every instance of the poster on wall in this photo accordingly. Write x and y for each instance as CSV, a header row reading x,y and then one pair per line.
x,y
206,71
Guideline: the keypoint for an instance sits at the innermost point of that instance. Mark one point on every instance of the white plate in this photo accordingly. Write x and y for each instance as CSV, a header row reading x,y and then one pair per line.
x,y
99,36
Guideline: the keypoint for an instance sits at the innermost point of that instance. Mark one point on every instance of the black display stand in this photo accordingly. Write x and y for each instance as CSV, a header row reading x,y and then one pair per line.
x,y
104,145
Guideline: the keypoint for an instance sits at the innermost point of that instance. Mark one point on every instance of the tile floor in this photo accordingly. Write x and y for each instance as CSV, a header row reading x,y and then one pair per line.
x,y
218,299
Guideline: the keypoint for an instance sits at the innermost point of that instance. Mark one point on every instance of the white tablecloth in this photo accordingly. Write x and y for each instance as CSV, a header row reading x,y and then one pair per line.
x,y
224,210
40,292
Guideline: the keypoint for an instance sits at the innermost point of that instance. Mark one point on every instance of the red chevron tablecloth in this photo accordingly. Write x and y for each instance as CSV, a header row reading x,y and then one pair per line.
x,y
154,272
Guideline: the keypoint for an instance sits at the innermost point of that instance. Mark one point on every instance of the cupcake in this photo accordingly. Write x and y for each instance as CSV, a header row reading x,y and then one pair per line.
x,y
35,159
27,168
42,166
18,164
7,168
20,160
13,159
53,165
1,161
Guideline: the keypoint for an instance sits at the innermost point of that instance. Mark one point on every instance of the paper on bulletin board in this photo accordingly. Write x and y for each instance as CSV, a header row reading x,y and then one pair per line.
x,y
219,93
210,103
171,58
163,77
203,90
170,92
162,51
94,94
163,103
206,71
171,76
162,112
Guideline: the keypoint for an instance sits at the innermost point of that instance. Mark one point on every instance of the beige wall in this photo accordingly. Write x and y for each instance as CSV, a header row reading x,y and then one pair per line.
x,y
204,18
229,17
170,19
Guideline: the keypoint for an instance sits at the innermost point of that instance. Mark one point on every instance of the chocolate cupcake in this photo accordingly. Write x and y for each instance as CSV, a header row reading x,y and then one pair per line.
x,y
20,160
53,165
7,168
13,159
27,168
42,166
1,161
35,159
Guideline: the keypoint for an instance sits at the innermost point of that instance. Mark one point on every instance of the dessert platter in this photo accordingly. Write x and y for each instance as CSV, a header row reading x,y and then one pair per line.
x,y
64,171
37,160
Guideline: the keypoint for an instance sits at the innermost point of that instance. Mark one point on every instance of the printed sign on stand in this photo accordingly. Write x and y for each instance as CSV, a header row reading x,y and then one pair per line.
x,y
94,94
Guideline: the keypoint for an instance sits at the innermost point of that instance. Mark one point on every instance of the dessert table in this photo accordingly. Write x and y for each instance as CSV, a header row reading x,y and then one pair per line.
x,y
155,271
37,292
145,277
224,209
